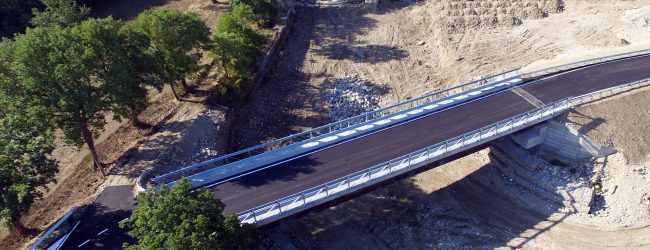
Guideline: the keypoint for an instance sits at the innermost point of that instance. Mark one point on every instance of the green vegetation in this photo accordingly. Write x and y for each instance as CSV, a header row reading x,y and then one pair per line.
x,y
174,41
236,45
79,74
177,218
263,12
25,146
59,12
68,72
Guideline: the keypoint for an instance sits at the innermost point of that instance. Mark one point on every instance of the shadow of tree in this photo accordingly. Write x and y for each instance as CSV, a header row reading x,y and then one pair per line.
x,y
98,226
173,145
363,53
122,9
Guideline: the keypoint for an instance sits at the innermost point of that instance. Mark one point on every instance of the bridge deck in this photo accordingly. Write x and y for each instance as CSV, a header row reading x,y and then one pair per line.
x,y
298,174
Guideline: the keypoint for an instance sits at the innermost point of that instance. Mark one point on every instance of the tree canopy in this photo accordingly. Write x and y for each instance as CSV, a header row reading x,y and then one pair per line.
x,y
79,74
59,12
262,11
236,43
25,147
178,218
175,40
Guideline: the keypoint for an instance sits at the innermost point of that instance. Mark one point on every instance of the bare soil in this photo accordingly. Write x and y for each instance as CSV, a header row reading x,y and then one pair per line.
x,y
413,48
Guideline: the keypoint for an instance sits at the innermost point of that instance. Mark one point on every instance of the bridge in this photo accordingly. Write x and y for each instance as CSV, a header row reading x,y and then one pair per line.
x,y
328,163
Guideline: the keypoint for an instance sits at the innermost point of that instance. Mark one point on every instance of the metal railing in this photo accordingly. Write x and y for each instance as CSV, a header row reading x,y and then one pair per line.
x,y
354,120
334,126
333,189
330,190
571,65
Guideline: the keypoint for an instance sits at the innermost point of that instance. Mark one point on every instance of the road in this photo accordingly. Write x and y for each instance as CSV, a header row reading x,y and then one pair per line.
x,y
364,151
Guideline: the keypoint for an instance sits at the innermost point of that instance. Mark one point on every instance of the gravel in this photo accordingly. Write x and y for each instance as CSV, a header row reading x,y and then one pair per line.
x,y
349,96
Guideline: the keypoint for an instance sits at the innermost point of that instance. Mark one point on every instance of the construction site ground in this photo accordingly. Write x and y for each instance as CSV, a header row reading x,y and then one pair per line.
x,y
405,49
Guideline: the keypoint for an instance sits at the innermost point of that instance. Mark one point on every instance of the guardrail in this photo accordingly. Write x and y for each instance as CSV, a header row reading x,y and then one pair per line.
x,y
43,240
330,190
299,137
317,195
566,66
338,125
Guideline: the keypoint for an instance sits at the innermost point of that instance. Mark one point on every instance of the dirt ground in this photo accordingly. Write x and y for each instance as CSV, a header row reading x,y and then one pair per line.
x,y
414,48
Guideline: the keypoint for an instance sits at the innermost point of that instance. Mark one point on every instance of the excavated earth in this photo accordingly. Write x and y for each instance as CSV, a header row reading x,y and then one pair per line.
x,y
346,58
406,49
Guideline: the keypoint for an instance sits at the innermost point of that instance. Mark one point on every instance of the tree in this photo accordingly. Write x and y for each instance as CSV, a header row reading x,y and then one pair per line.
x,y
25,147
262,11
175,41
59,12
79,74
235,44
178,218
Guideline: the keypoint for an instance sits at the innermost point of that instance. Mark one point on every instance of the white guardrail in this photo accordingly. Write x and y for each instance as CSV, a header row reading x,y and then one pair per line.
x,y
332,127
352,121
331,190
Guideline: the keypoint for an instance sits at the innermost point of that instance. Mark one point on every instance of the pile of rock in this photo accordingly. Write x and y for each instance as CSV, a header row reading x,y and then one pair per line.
x,y
350,96
638,17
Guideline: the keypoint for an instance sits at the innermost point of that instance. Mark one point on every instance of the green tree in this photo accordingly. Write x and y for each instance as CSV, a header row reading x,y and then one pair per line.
x,y
235,44
80,74
178,218
25,147
59,12
175,42
262,13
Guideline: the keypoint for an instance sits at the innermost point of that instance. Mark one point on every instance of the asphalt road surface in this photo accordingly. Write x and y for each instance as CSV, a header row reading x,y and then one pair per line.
x,y
365,151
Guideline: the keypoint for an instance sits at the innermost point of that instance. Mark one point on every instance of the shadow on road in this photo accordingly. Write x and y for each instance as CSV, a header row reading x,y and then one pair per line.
x,y
98,227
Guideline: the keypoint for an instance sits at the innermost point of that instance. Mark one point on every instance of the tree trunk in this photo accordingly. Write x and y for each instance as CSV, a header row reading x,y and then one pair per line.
x,y
90,142
174,92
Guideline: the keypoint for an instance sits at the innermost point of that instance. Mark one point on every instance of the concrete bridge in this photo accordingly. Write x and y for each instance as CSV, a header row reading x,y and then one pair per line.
x,y
329,163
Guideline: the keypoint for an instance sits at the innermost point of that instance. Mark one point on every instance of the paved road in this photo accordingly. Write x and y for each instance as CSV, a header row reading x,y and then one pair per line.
x,y
365,151
99,225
